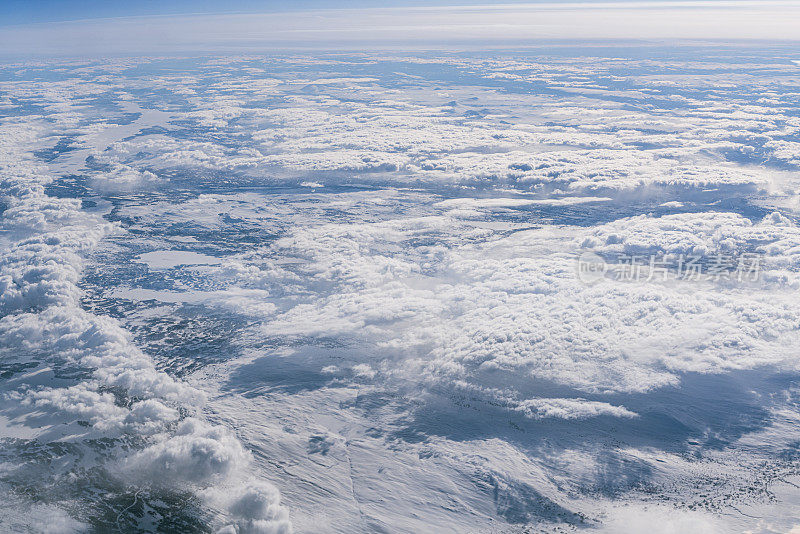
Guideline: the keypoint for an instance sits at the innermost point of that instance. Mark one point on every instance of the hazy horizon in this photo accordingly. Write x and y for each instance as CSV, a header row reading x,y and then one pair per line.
x,y
439,26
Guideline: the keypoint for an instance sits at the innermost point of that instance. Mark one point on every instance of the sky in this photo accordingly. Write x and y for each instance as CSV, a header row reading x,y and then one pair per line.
x,y
93,27
14,12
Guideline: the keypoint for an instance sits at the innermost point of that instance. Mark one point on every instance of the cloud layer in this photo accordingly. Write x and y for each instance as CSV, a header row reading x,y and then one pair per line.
x,y
353,278
420,26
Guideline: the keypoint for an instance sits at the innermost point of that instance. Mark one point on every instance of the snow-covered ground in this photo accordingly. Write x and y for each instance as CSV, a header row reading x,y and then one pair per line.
x,y
466,292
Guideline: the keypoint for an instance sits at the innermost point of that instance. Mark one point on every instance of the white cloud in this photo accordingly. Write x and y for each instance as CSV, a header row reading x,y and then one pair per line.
x,y
415,26
515,306
416,300
43,324
122,178
570,409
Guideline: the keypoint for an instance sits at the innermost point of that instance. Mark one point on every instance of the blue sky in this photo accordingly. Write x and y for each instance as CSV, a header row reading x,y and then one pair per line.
x,y
26,11
14,12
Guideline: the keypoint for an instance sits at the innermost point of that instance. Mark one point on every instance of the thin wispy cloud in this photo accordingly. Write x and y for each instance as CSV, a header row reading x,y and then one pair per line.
x,y
428,26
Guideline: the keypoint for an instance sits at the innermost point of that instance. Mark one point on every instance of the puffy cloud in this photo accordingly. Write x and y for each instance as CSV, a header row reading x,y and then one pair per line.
x,y
196,453
514,306
257,511
775,240
88,380
570,409
123,178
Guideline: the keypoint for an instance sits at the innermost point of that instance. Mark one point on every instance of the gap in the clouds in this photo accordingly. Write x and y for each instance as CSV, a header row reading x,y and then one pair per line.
x,y
64,145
